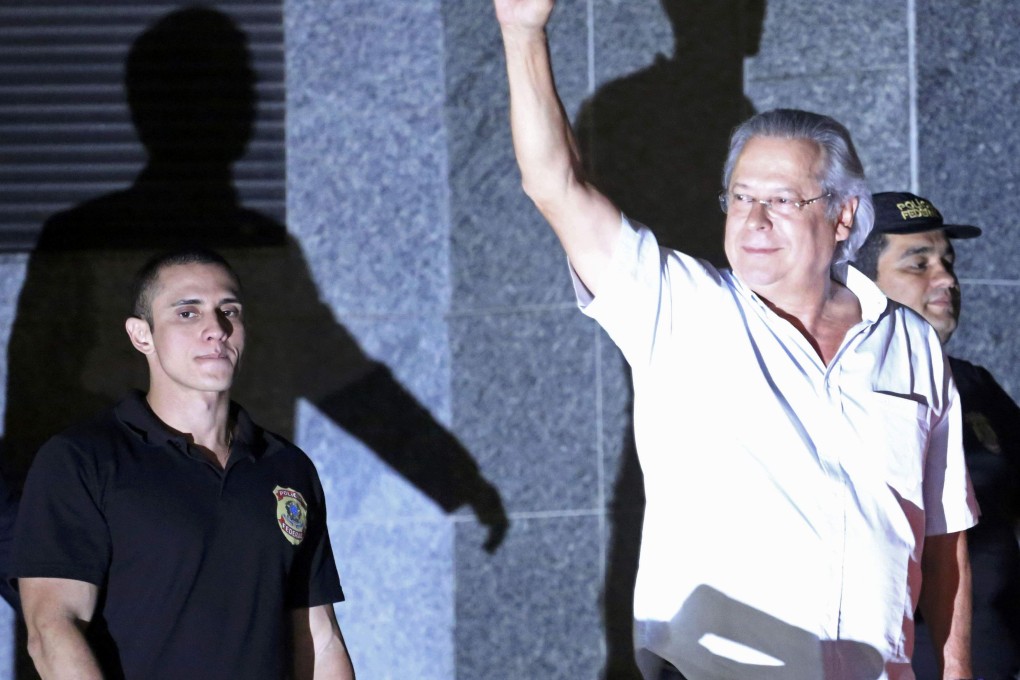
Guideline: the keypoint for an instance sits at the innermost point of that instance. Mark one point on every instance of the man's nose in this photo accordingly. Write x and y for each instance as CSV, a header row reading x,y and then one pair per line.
x,y
758,216
944,277
219,327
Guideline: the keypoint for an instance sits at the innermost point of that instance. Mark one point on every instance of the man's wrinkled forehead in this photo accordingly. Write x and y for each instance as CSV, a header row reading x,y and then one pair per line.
x,y
810,155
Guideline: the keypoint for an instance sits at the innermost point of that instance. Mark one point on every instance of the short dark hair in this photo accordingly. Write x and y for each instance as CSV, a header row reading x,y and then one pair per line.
x,y
145,281
866,259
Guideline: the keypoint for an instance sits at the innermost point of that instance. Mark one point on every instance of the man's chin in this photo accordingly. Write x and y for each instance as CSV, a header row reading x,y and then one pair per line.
x,y
944,327
218,384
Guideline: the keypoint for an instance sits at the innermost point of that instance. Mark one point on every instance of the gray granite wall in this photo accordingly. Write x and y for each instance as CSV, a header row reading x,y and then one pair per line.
x,y
404,201
367,197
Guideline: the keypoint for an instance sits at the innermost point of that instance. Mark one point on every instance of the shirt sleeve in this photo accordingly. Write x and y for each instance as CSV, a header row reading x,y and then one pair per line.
x,y
950,504
60,531
636,304
314,579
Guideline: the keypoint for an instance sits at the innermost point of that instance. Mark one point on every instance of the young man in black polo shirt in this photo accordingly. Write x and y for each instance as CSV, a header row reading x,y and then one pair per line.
x,y
171,537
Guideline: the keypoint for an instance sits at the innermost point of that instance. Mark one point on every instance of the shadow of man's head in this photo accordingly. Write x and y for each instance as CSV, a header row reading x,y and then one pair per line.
x,y
655,140
191,88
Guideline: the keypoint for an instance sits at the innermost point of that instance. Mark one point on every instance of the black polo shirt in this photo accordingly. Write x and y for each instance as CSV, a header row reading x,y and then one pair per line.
x,y
197,567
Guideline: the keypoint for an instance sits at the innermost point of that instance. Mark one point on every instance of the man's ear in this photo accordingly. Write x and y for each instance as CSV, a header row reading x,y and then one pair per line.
x,y
845,219
140,334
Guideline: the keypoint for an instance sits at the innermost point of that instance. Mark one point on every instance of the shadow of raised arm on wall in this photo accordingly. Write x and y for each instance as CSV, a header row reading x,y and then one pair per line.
x,y
191,90
655,142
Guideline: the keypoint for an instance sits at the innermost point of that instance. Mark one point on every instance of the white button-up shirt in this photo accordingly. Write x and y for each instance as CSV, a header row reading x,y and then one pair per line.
x,y
787,500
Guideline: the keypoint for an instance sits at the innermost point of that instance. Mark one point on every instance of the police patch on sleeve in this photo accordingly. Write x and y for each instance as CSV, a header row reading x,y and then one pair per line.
x,y
291,514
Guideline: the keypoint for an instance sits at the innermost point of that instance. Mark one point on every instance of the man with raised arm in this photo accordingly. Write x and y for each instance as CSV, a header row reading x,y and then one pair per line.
x,y
798,433
171,537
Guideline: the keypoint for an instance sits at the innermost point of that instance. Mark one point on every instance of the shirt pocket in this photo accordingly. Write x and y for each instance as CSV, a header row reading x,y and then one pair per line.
x,y
901,422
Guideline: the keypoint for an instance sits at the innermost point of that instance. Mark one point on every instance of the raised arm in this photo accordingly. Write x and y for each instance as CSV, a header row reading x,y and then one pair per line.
x,y
946,601
56,613
585,221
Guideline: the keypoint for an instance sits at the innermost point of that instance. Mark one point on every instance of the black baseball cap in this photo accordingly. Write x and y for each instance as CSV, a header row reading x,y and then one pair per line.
x,y
899,212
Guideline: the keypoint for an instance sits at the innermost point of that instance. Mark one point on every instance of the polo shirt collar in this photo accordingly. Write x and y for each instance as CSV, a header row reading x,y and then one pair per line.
x,y
134,411
249,440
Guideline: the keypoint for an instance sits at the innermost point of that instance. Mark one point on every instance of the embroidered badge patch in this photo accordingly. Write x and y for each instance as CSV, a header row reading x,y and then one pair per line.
x,y
291,514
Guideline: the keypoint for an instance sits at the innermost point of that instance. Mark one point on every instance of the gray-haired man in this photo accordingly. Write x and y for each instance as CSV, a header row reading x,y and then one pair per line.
x,y
796,458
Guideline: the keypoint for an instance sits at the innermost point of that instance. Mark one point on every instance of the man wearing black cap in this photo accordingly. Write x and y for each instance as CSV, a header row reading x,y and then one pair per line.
x,y
910,255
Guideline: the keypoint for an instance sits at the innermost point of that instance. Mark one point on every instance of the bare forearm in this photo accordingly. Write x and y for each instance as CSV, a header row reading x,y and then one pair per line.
x,y
333,662
584,220
543,141
60,652
946,602
320,652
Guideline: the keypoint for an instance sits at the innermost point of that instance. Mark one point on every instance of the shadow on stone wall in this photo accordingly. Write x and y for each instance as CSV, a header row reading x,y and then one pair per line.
x,y
191,90
655,142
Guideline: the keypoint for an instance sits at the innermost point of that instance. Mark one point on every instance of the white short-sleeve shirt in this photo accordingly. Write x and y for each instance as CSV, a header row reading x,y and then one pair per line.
x,y
787,500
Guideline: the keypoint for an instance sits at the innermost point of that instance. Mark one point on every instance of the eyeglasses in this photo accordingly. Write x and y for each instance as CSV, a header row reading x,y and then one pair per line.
x,y
741,204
